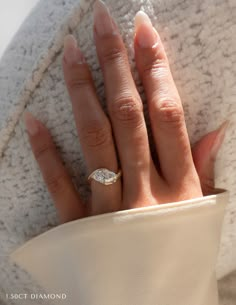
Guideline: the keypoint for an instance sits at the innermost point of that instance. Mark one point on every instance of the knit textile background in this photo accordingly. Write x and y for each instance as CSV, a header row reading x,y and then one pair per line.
x,y
200,43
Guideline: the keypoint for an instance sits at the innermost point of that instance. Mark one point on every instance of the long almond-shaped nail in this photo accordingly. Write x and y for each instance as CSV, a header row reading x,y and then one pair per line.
x,y
219,138
103,20
31,124
72,53
146,34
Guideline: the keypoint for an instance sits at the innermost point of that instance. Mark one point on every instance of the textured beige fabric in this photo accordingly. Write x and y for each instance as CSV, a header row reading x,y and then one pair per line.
x,y
227,289
200,42
164,254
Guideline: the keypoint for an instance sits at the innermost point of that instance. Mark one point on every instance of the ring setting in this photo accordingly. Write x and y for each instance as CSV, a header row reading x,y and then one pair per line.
x,y
104,176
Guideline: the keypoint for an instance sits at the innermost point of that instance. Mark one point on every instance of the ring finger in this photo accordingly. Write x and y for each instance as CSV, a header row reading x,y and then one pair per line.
x,y
93,128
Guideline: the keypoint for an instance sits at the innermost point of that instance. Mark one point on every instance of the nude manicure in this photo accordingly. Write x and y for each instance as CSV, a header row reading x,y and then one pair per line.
x,y
219,138
103,20
31,123
146,34
72,53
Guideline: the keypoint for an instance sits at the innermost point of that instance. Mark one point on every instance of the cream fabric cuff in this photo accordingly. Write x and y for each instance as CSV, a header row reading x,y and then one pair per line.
x,y
157,255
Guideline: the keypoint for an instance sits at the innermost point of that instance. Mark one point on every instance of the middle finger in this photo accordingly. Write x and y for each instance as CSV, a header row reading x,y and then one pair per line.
x,y
124,103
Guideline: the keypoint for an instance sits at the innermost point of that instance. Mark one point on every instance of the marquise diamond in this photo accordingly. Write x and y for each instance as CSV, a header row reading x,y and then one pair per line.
x,y
105,176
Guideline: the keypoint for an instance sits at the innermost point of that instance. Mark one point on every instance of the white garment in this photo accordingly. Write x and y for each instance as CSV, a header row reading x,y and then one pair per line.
x,y
163,254
199,40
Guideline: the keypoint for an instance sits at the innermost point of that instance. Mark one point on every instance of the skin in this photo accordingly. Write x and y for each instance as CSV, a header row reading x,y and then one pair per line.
x,y
184,172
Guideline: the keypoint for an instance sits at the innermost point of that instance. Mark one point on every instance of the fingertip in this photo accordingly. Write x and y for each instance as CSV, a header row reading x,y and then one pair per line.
x,y
72,55
140,18
70,41
219,138
31,123
146,35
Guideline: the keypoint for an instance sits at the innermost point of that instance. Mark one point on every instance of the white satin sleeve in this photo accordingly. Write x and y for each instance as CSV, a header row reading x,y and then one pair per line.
x,y
157,255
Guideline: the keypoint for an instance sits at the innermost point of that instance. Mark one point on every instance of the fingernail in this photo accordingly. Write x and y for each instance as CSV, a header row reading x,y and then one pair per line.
x,y
72,53
103,20
31,124
219,138
146,34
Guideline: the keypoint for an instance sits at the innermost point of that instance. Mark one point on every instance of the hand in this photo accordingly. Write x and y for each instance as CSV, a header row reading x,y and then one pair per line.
x,y
124,129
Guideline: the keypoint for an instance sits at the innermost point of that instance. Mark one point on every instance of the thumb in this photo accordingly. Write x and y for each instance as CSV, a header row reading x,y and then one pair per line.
x,y
204,155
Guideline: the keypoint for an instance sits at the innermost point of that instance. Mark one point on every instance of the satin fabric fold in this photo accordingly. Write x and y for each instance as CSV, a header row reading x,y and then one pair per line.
x,y
157,255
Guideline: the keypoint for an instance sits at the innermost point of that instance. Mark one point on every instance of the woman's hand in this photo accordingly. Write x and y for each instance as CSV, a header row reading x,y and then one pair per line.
x,y
183,173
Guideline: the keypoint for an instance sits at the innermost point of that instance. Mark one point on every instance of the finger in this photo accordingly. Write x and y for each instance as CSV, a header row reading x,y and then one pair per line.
x,y
58,182
124,103
204,155
93,127
165,107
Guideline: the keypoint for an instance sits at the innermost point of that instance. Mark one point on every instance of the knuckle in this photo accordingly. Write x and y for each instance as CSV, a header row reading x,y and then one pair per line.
x,y
56,183
75,83
42,151
170,111
96,134
156,67
127,110
112,54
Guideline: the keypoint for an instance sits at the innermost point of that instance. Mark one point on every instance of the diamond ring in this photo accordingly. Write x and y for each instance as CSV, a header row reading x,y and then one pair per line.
x,y
104,176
